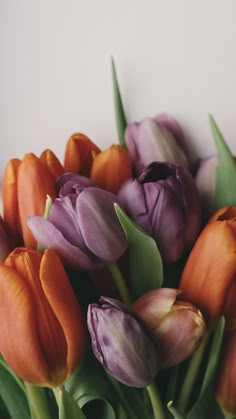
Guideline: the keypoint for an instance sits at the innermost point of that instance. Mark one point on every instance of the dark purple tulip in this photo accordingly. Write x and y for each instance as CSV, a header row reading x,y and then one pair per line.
x,y
82,228
156,139
121,343
73,183
164,201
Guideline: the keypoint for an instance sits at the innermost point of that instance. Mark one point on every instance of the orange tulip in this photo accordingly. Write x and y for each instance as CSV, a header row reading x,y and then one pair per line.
x,y
226,380
26,185
80,151
43,332
208,279
111,168
51,161
10,201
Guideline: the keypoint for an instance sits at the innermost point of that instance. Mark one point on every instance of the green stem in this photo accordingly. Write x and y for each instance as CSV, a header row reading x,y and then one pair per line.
x,y
37,402
120,282
156,401
191,374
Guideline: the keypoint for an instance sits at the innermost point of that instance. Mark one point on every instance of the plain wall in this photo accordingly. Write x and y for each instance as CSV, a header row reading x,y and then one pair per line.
x,y
177,56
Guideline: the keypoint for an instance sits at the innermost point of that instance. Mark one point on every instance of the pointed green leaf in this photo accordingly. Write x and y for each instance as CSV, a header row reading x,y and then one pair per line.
x,y
206,403
225,193
119,109
12,394
175,412
145,263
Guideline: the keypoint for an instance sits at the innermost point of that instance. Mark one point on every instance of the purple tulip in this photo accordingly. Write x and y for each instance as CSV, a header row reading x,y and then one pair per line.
x,y
164,201
82,228
156,139
121,343
205,180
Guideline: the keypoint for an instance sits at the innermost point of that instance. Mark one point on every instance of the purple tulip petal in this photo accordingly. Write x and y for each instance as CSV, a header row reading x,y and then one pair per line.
x,y
173,126
122,344
49,237
71,183
99,224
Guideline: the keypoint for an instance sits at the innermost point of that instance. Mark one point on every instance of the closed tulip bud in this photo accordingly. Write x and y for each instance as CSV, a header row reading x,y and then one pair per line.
x,y
34,183
5,242
177,326
51,161
10,200
226,379
208,278
82,228
79,154
111,168
121,343
156,139
43,335
164,201
26,185
206,181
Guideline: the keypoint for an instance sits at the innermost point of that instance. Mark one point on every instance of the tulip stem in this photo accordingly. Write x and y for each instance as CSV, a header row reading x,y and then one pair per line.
x,y
191,374
156,401
120,282
37,402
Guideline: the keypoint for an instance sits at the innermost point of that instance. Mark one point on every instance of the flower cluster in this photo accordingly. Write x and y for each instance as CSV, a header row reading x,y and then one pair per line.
x,y
117,278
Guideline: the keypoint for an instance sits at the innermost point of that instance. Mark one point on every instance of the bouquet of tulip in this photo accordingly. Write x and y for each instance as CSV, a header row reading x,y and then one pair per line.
x,y
117,296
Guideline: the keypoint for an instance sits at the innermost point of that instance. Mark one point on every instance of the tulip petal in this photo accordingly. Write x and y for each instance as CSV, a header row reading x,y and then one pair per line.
x,y
18,306
34,183
79,154
49,237
99,224
53,164
63,303
71,183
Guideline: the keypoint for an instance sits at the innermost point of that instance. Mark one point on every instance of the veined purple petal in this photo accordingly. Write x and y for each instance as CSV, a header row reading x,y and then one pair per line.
x,y
99,224
122,344
174,127
49,237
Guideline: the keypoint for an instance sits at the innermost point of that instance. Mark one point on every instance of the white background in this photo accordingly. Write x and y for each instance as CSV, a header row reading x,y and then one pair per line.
x,y
177,56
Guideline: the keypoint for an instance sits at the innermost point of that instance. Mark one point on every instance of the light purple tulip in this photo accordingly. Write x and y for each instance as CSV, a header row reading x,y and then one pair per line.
x,y
164,201
206,182
121,343
82,228
156,139
177,326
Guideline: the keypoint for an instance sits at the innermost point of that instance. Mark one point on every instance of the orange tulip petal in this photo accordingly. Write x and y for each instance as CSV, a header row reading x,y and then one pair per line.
x,y
210,269
19,339
79,154
35,182
63,302
53,164
111,168
10,200
52,340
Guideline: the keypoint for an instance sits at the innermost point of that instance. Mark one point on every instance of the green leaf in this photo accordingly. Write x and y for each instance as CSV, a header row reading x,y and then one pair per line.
x,y
175,412
90,388
12,394
119,109
205,404
145,263
225,193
